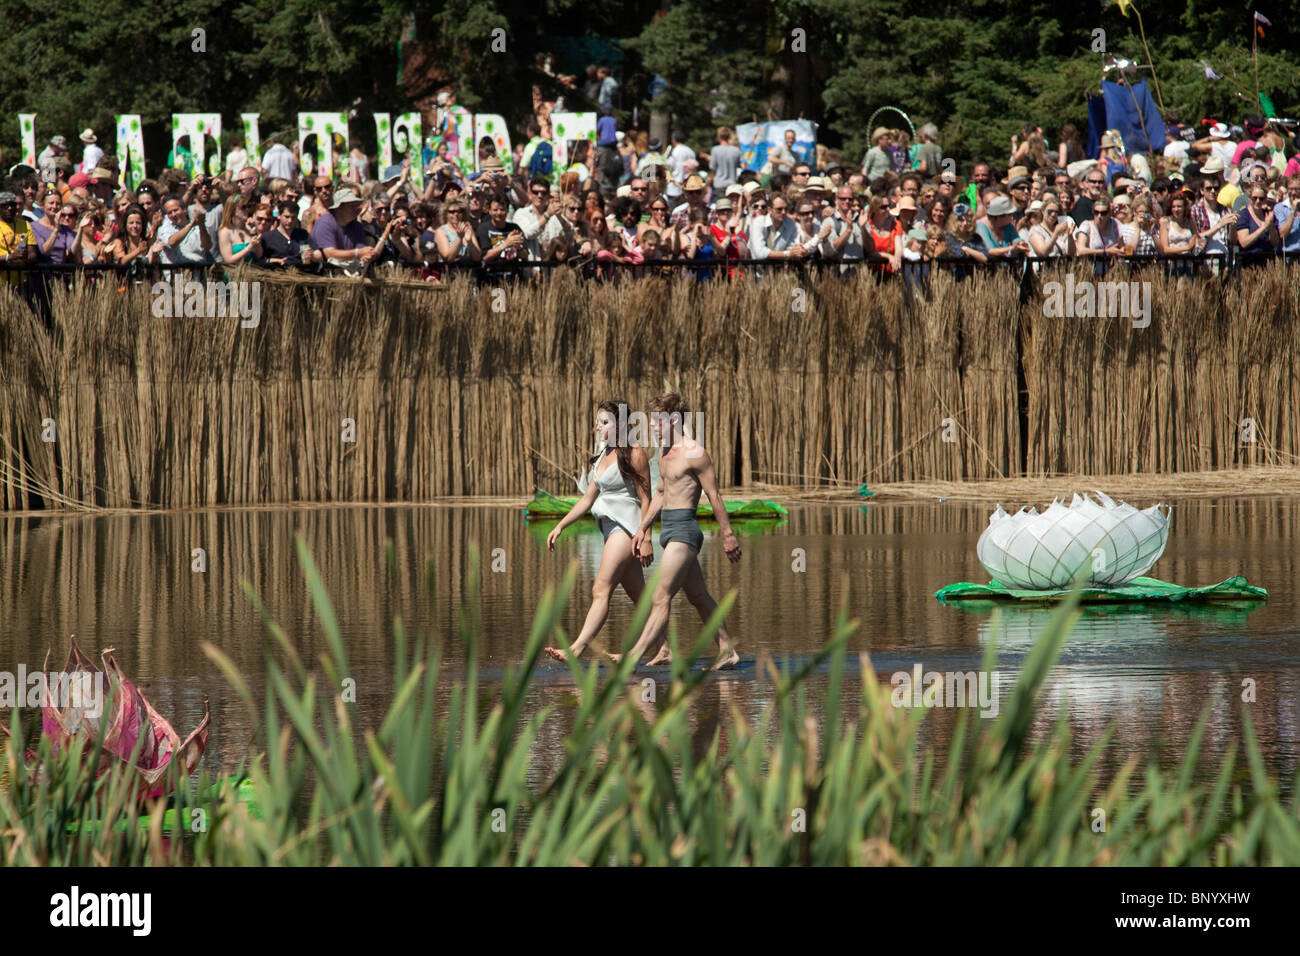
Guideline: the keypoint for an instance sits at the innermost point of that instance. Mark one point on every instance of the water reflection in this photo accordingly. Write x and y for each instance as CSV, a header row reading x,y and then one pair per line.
x,y
125,581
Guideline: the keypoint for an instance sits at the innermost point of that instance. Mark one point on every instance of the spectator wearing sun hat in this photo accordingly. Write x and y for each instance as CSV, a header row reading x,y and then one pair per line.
x,y
727,235
395,179
49,156
1112,156
1019,187
1219,143
79,185
877,161
694,189
101,183
92,154
339,235
999,235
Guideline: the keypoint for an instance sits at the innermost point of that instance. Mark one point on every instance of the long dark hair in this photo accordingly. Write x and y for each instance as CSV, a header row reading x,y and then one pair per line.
x,y
119,225
623,453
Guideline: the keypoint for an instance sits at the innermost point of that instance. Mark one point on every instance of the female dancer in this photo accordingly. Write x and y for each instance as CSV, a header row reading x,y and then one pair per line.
x,y
617,494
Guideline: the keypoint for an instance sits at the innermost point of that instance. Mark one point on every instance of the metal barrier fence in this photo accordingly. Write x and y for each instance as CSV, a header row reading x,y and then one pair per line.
x,y
962,267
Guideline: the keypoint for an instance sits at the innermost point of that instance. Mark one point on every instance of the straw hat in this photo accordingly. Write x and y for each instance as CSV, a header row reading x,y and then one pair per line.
x,y
343,197
1077,168
1109,142
751,187
878,132
88,136
1015,172
735,189
693,182
1001,206
904,203
1213,165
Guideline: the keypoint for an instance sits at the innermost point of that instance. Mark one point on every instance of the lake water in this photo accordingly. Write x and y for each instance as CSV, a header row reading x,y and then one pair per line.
x,y
126,581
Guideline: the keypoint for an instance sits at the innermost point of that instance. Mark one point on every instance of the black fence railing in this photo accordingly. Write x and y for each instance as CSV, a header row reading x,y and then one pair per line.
x,y
961,266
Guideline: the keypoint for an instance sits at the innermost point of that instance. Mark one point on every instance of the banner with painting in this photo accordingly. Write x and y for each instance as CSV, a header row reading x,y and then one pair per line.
x,y
756,140
469,138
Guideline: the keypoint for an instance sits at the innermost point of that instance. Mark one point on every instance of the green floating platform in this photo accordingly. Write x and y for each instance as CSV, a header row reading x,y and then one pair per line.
x,y
1139,589
546,505
243,789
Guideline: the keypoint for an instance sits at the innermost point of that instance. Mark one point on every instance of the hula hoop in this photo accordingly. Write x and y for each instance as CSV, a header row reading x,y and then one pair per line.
x,y
907,119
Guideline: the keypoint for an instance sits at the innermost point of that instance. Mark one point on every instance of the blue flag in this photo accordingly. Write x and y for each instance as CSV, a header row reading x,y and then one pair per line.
x,y
1130,109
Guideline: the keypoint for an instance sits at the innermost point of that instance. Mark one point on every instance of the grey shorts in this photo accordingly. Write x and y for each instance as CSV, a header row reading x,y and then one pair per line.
x,y
680,524
608,526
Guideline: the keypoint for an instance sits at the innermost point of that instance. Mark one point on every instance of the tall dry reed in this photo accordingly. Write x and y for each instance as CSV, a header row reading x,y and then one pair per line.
x,y
449,396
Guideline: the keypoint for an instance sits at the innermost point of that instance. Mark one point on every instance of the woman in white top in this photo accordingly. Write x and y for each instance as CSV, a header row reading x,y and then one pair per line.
x,y
1128,230
1054,236
617,494
1177,230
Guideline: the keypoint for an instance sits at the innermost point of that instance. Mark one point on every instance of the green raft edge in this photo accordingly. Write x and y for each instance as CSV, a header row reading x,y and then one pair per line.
x,y
1235,589
554,506
243,787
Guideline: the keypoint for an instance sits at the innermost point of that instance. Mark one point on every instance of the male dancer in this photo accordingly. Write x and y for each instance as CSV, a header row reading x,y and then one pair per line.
x,y
685,470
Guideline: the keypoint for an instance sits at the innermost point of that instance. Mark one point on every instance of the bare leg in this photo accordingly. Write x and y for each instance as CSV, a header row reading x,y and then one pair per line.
x,y
617,552
697,593
632,579
673,567
660,652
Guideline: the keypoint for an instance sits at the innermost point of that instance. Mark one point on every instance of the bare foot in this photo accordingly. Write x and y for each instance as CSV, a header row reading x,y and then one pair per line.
x,y
557,654
665,656
614,658
726,660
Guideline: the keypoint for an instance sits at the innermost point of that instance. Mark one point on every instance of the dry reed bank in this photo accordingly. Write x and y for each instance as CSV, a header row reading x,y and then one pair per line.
x,y
449,397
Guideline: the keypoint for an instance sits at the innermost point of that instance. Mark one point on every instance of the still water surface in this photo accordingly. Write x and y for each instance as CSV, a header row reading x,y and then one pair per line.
x,y
125,581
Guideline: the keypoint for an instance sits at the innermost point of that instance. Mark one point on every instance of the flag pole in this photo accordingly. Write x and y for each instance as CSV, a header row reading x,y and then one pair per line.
x,y
1155,82
1254,53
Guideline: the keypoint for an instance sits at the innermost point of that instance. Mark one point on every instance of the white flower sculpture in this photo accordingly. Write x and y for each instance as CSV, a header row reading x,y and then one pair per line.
x,y
1042,552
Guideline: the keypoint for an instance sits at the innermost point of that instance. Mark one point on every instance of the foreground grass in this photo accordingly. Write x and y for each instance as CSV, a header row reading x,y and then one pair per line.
x,y
424,789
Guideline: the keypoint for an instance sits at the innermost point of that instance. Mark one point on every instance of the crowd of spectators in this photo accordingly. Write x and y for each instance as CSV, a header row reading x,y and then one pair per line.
x,y
627,200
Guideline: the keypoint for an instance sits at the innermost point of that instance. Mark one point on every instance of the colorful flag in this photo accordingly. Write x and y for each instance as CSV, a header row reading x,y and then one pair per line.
x,y
1211,75
1260,18
1125,4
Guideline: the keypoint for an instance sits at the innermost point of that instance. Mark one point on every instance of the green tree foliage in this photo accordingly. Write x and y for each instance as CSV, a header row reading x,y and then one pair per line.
x,y
978,69
83,62
717,57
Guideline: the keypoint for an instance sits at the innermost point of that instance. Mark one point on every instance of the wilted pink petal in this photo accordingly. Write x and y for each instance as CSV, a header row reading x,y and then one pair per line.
x,y
131,721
